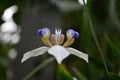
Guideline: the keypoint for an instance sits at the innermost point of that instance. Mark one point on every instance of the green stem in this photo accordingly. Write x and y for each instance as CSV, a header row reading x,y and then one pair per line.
x,y
40,66
96,41
79,74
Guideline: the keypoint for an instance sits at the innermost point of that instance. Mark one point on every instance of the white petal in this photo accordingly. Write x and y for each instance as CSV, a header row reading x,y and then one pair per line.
x,y
74,78
35,52
59,52
78,53
81,2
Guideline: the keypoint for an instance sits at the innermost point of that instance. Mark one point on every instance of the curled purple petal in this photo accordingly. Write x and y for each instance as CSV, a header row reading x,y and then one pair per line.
x,y
39,32
76,34
70,33
43,32
73,34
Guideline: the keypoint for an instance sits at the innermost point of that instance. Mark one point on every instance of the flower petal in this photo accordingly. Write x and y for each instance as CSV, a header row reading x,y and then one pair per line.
x,y
59,52
35,52
78,53
81,2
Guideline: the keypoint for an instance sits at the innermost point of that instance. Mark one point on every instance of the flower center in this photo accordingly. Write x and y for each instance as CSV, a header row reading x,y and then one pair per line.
x,y
57,38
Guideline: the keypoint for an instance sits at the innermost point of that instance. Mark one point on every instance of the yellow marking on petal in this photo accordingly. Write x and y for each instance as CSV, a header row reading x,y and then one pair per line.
x,y
46,41
69,42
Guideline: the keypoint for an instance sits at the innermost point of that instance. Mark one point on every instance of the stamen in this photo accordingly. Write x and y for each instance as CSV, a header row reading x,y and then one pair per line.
x,y
62,38
57,38
53,39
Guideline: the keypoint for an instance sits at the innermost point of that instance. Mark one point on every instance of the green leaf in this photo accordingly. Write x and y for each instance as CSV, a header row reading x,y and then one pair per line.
x,y
62,73
114,76
114,49
39,67
96,40
79,74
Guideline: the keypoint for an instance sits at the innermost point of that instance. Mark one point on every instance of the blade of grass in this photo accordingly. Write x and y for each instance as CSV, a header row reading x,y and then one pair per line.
x,y
115,50
114,76
96,41
89,45
62,73
79,75
43,64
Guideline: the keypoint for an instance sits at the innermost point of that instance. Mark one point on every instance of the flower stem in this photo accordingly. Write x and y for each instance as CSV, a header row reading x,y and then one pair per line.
x,y
96,41
40,66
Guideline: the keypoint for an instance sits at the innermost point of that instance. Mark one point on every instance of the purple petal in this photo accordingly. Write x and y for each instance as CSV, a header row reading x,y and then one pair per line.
x,y
43,32
39,32
70,33
46,31
76,34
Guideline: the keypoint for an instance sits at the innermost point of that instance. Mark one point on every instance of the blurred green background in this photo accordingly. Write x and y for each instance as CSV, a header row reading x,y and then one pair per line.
x,y
104,15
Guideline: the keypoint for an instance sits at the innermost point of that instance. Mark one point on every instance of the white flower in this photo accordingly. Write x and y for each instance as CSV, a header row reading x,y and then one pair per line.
x,y
81,2
55,47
